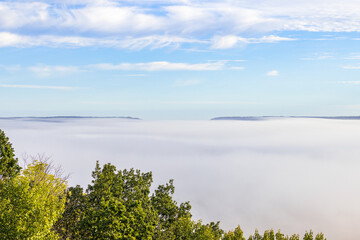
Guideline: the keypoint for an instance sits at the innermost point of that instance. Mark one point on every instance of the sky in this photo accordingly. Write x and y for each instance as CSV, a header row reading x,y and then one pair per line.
x,y
288,174
179,59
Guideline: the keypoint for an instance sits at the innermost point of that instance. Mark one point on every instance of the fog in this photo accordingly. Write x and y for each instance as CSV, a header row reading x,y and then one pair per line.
x,y
288,174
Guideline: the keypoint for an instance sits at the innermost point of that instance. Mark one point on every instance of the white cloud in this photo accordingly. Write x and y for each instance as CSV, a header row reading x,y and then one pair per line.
x,y
188,19
225,42
56,70
270,39
320,56
110,19
8,39
37,87
46,71
353,67
155,41
273,73
160,66
136,75
230,41
15,15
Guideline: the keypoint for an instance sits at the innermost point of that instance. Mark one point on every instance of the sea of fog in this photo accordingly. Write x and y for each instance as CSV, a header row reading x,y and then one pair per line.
x,y
289,174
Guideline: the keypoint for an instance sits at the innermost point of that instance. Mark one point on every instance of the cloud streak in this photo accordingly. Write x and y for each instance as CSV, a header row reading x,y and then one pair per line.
x,y
8,39
47,71
230,41
160,66
64,88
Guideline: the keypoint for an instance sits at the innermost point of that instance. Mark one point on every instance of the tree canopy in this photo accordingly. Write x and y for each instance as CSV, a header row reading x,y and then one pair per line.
x,y
30,203
9,166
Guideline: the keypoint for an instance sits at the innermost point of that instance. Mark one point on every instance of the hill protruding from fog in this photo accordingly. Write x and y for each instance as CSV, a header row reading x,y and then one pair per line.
x,y
261,118
63,118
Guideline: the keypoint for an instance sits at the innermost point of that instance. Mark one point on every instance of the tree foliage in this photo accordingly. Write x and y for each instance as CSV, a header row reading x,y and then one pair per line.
x,y
237,234
8,162
30,203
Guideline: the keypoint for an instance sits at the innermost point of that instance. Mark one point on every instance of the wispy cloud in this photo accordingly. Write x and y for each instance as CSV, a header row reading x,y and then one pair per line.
x,y
37,87
56,70
139,24
160,66
8,39
352,67
273,73
230,41
191,16
46,71
320,56
136,75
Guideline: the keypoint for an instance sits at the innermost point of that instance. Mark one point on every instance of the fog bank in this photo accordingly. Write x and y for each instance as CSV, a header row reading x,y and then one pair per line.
x,y
288,174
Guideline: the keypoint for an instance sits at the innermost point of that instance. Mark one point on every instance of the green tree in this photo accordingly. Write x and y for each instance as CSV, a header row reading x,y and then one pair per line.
x,y
118,205
30,203
320,236
67,226
308,235
279,236
257,235
8,162
294,237
266,235
237,234
203,232
174,222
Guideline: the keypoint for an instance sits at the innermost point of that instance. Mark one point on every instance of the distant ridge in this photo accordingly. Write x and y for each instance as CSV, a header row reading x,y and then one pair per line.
x,y
67,117
262,118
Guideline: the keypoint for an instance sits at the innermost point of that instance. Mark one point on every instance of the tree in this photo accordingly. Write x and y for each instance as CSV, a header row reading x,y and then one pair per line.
x,y
294,237
266,235
256,235
30,203
308,235
8,162
320,236
174,222
279,236
118,205
67,226
202,232
272,234
237,234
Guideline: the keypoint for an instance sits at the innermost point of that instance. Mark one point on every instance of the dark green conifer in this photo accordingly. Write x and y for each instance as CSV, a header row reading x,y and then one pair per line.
x,y
9,166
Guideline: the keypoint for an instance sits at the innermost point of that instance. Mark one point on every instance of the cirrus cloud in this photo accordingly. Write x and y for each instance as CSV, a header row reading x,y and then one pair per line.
x,y
220,24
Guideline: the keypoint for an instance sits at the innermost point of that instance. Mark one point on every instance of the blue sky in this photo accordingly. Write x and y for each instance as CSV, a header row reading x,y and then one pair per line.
x,y
179,59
